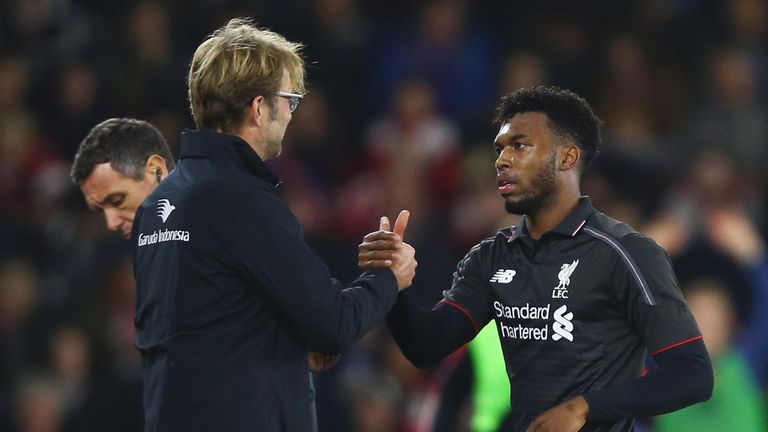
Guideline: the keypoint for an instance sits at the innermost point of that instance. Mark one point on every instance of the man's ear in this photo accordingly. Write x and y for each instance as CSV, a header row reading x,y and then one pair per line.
x,y
156,167
568,157
258,112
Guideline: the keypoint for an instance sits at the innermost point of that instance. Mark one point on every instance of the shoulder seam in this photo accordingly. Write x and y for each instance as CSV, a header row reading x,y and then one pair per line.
x,y
628,261
481,243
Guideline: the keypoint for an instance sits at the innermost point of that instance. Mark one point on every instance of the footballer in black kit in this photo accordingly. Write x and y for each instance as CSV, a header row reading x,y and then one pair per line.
x,y
575,310
578,298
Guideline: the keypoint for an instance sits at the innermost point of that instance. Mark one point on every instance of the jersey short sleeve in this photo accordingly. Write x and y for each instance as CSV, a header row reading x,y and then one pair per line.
x,y
470,291
650,296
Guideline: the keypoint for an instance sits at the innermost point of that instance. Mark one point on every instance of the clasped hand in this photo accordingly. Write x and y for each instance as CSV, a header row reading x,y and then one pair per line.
x,y
379,249
386,249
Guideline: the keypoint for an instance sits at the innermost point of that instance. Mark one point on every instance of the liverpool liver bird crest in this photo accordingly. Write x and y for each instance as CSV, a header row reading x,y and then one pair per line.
x,y
565,274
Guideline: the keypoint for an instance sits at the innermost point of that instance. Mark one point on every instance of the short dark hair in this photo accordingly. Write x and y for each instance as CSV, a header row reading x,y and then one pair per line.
x,y
568,114
125,143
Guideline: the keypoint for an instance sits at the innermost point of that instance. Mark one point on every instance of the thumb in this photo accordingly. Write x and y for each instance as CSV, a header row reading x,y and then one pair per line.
x,y
401,223
384,223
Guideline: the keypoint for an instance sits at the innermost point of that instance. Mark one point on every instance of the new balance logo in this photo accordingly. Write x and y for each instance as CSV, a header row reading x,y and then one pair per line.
x,y
503,276
164,209
563,325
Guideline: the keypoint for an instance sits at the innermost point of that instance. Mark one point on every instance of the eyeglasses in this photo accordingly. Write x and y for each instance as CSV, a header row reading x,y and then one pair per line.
x,y
293,99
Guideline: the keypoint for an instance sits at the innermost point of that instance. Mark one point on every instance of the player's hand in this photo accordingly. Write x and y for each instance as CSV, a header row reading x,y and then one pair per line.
x,y
385,249
569,416
381,248
319,362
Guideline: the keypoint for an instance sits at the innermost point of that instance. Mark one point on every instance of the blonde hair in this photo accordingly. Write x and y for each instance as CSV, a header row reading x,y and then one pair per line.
x,y
235,64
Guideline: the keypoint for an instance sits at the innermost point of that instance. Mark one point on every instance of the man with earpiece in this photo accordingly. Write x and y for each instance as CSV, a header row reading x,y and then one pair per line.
x,y
117,165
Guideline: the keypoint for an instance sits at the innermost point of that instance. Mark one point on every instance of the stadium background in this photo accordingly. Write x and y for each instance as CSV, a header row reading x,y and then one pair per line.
x,y
398,116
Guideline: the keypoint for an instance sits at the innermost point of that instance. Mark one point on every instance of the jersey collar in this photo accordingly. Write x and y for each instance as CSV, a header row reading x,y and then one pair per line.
x,y
570,226
212,145
574,222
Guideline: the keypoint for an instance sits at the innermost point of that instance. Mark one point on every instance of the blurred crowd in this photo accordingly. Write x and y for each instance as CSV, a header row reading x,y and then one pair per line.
x,y
398,115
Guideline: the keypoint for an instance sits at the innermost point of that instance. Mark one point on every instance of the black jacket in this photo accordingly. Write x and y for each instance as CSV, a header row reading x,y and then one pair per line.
x,y
230,298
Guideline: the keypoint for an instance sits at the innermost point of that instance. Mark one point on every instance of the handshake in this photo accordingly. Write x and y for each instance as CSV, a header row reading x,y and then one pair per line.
x,y
379,249
387,249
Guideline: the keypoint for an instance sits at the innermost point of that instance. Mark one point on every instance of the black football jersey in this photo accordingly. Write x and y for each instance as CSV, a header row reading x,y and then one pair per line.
x,y
575,310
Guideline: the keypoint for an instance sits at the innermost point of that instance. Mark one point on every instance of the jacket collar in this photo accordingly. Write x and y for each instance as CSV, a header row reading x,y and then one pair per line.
x,y
570,226
204,144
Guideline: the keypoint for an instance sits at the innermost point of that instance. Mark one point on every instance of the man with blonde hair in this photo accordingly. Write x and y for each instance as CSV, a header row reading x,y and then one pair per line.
x,y
230,299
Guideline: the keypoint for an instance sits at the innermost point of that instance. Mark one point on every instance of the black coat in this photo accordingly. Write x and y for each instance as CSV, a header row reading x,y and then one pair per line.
x,y
230,298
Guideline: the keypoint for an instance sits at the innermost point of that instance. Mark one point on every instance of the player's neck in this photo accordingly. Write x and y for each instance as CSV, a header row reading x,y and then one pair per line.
x,y
550,216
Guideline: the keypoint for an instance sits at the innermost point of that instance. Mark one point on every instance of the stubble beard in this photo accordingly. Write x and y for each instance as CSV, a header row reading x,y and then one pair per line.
x,y
275,141
540,195
275,147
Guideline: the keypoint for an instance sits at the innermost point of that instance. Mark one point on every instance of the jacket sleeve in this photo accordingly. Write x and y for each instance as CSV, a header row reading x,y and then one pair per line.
x,y
267,246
